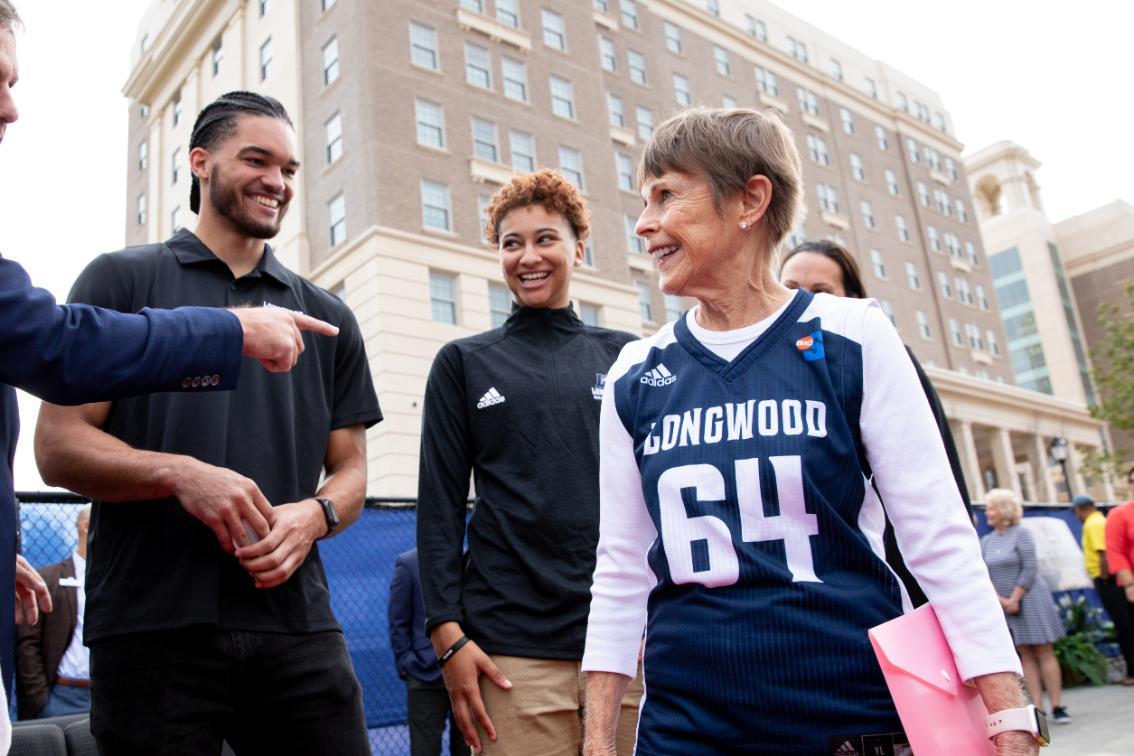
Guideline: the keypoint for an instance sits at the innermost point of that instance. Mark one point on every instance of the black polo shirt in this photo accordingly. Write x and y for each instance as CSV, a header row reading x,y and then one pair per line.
x,y
151,565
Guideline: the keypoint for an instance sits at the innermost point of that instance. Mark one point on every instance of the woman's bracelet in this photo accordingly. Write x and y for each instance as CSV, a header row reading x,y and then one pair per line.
x,y
443,659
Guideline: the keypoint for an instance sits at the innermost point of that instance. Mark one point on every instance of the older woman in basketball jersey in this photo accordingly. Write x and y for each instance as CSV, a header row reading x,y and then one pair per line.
x,y
738,524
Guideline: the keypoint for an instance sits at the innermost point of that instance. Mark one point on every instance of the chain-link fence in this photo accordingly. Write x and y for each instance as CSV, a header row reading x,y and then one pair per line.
x,y
359,564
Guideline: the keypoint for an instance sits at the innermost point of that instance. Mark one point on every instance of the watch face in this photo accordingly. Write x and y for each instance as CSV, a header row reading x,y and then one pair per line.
x,y
1041,726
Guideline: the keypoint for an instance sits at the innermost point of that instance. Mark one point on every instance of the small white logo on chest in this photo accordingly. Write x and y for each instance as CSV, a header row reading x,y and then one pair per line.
x,y
491,397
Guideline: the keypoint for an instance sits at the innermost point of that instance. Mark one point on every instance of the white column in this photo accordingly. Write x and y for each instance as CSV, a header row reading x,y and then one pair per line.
x,y
1042,472
1078,485
1005,461
970,461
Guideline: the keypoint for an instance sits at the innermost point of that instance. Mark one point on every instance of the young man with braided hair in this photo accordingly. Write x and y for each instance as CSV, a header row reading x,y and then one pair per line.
x,y
194,638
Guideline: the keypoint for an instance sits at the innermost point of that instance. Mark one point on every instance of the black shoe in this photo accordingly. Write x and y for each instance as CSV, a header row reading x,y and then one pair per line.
x,y
1059,715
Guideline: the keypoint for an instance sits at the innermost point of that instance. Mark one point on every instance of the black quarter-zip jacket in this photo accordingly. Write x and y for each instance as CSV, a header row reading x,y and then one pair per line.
x,y
519,407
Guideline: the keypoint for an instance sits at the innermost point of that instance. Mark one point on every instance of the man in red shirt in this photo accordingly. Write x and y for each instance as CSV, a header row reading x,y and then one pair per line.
x,y
1120,541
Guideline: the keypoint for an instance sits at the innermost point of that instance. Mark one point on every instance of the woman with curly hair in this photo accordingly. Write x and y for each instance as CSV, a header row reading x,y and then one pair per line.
x,y
518,406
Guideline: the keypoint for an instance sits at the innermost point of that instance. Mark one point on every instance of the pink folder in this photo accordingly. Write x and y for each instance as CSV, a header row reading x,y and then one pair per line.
x,y
940,714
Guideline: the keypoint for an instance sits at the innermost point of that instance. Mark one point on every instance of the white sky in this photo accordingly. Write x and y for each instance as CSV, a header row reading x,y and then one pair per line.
x,y
1049,76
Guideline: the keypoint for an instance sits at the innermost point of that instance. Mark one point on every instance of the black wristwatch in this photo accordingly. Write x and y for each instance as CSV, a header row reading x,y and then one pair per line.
x,y
329,513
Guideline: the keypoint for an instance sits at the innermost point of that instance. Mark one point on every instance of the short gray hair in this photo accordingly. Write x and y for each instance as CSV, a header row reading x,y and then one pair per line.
x,y
8,15
728,146
1006,503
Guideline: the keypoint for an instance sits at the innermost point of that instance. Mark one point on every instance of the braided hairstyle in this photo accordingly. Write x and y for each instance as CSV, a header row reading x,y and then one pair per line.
x,y
218,121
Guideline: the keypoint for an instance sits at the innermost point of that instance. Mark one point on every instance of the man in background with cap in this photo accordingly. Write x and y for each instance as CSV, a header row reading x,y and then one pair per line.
x,y
196,639
1112,596
1120,549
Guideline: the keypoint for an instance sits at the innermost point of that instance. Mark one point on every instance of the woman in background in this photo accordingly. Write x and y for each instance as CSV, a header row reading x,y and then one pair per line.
x,y
1010,553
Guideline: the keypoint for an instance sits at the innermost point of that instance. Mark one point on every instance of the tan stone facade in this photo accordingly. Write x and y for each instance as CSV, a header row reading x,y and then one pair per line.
x,y
410,113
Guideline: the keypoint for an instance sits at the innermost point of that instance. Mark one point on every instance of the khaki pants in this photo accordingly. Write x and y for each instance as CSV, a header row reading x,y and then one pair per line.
x,y
542,715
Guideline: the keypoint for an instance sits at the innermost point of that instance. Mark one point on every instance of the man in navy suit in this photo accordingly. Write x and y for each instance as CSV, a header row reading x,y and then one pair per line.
x,y
427,700
74,354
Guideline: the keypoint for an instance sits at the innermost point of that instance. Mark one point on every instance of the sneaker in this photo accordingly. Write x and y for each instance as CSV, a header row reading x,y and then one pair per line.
x,y
1059,715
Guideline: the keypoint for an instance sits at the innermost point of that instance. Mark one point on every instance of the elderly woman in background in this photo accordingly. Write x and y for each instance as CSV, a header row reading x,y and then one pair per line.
x,y
826,267
737,519
1010,553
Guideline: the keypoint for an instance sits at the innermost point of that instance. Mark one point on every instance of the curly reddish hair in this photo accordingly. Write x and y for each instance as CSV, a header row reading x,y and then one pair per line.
x,y
545,187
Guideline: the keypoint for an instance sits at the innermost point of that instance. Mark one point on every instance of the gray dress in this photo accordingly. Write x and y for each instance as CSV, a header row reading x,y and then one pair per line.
x,y
1011,560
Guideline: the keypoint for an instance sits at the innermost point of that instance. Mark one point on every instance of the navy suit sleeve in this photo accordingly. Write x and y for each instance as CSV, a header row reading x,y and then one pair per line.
x,y
400,614
71,354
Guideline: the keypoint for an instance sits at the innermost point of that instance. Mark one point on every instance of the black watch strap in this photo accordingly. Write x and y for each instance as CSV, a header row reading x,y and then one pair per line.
x,y
329,514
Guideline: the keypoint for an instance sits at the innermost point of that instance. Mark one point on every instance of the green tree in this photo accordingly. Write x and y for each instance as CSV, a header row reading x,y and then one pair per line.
x,y
1114,377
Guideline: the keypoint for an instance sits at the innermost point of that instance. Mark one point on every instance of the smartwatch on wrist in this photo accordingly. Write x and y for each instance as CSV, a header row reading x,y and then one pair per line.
x,y
329,514
1027,719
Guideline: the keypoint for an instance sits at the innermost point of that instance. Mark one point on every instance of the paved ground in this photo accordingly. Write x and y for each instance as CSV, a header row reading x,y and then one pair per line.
x,y
1102,723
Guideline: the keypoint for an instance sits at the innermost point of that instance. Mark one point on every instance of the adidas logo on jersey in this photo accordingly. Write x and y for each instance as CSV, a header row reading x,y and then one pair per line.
x,y
846,749
491,397
659,376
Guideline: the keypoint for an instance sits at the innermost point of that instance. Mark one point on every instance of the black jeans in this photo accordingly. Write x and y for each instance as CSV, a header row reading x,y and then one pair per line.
x,y
427,708
1121,614
183,691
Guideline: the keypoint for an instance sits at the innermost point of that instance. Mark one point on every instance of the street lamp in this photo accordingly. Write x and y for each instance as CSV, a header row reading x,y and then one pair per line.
x,y
1059,452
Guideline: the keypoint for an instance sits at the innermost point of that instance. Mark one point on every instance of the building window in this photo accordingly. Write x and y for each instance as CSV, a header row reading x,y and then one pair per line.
x,y
499,304
951,168
923,325
629,13
435,206
177,108
430,124
673,308
903,102
892,183
912,277
634,243
847,119
217,55
922,194
515,74
713,6
944,285
681,90
903,229
955,332
589,253
673,37
911,148
485,143
857,170
482,203
981,297
878,263
476,6
571,166
728,101
881,138
766,82
265,58
562,97
798,49
589,314
264,5
637,64
336,211
602,6
443,297
932,158
645,301
934,237
331,61
922,111
143,155
325,4
720,60
817,150
423,46
523,150
836,69
964,292
143,111
970,252
871,88
142,209
607,59
554,33
615,110
645,118
828,198
175,164
625,171
508,13
867,214
175,219
953,244
334,131
477,66
942,201
993,345
962,214
756,27
808,102
888,310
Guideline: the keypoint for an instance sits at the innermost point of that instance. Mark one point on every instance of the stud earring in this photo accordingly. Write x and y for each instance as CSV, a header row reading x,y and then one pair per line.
x,y
743,225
